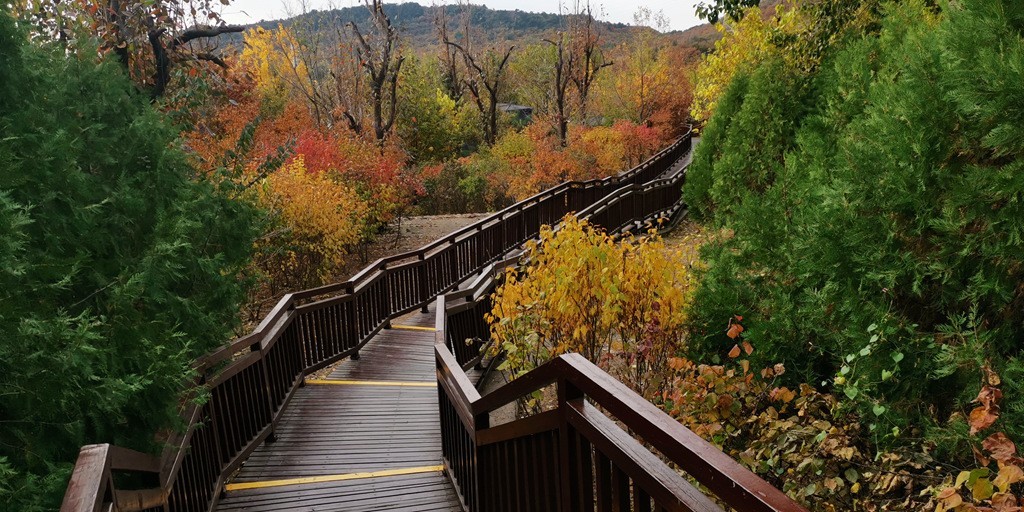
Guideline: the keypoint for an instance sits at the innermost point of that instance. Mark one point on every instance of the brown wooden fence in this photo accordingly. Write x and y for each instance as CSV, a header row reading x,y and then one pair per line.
x,y
574,457
251,380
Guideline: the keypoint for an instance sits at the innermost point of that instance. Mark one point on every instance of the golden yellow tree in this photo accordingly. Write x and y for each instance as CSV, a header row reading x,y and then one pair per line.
x,y
319,220
742,44
276,58
641,81
621,304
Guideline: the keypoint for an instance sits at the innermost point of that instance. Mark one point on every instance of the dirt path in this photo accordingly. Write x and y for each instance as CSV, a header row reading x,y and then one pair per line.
x,y
688,237
419,231
415,232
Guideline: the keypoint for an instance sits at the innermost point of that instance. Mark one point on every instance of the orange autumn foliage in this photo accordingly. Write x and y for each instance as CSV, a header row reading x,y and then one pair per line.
x,y
327,192
246,131
524,163
621,146
320,219
977,489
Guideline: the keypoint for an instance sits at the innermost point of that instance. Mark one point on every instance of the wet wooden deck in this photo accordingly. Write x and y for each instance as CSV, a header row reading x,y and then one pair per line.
x,y
365,437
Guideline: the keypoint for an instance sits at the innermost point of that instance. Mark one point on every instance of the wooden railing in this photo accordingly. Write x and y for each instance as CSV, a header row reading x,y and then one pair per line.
x,y
574,456
632,206
103,460
251,380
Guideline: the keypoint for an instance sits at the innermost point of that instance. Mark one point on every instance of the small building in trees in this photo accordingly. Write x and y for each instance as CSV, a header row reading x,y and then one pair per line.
x,y
522,114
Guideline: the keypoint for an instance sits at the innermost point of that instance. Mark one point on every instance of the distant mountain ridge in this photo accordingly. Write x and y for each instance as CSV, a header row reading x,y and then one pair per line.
x,y
416,24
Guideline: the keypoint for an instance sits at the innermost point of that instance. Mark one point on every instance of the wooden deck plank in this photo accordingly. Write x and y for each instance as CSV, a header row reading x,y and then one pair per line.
x,y
393,355
427,492
346,428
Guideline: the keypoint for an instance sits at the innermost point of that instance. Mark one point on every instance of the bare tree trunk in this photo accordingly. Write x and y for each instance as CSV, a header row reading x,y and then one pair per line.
x,y
564,68
449,56
585,42
484,74
381,57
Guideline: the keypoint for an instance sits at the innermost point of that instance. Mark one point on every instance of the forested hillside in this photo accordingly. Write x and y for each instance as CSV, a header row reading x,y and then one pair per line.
x,y
416,24
161,188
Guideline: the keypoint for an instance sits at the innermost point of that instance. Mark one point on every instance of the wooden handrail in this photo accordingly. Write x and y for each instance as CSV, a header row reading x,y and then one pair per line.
x,y
309,329
497,216
92,484
730,481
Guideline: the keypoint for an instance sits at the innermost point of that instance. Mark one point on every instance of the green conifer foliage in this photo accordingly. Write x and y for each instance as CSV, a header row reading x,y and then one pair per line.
x,y
699,177
118,266
881,250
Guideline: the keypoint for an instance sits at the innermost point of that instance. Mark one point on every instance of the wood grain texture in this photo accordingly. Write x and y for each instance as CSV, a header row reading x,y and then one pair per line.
x,y
357,428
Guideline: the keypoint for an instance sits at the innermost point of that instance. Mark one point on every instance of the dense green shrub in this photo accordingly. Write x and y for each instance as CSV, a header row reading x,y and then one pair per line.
x,y
883,251
747,138
117,266
699,176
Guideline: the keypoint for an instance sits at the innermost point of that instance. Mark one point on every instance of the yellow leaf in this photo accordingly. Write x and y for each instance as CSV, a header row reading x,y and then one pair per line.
x,y
961,478
982,489
1008,475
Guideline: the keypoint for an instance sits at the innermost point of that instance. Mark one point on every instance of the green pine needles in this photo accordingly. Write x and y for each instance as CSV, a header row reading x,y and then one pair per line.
x,y
118,266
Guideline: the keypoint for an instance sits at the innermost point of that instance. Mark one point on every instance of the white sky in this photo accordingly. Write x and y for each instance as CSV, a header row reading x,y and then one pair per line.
x,y
679,12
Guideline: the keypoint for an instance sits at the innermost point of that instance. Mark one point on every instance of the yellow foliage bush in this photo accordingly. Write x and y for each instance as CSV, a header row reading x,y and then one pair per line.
x,y
742,44
273,56
320,219
621,304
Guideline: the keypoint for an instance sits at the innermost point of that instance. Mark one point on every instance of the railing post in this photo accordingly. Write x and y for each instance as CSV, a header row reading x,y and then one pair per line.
x,y
356,317
480,422
265,370
424,291
566,454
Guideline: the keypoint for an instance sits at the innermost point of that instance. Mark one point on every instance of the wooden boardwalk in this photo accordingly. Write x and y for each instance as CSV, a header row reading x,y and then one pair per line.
x,y
276,434
365,437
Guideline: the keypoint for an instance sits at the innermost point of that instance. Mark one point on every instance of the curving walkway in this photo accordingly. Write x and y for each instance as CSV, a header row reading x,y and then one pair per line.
x,y
364,438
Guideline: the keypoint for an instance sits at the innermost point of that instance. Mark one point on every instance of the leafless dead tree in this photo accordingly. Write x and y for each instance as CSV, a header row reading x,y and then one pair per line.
x,y
380,56
484,76
585,37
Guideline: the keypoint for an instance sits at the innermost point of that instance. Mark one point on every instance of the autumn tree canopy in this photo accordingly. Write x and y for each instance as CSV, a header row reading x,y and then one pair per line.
x,y
148,38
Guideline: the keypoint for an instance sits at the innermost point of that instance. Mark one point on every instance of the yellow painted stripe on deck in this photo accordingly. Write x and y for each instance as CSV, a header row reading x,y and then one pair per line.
x,y
413,328
371,383
330,478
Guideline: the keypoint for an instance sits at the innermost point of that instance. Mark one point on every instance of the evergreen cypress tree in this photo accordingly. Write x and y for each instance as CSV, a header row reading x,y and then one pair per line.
x,y
886,254
118,266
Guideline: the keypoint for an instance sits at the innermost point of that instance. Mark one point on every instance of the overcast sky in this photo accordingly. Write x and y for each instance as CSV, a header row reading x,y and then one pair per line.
x,y
679,12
